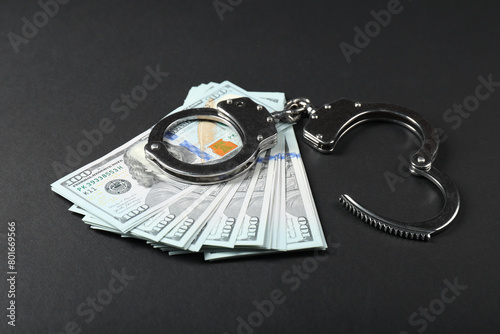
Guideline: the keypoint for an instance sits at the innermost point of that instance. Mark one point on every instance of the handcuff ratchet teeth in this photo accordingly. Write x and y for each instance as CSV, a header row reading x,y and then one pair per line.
x,y
326,125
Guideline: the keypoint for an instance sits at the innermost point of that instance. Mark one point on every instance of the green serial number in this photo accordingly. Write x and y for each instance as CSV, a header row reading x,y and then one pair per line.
x,y
99,178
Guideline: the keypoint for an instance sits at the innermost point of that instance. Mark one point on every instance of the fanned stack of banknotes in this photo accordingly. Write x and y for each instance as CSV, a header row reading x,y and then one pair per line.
x,y
268,209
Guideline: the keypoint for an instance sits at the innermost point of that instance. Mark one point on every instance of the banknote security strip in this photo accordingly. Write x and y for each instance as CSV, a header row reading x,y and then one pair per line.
x,y
223,175
326,125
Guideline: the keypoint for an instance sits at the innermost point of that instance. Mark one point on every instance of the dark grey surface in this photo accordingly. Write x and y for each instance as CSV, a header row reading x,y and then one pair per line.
x,y
428,58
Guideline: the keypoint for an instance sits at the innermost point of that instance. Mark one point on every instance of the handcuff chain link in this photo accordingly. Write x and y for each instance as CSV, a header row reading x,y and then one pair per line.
x,y
294,110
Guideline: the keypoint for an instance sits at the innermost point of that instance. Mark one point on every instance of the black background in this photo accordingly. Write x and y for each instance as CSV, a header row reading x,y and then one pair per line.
x,y
428,58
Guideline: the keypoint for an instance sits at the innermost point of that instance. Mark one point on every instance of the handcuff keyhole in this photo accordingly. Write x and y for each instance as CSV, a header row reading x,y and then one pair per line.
x,y
240,104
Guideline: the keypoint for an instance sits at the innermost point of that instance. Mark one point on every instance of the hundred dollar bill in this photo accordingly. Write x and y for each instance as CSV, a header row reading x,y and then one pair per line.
x,y
152,226
199,132
218,255
211,220
123,188
227,90
279,201
183,222
100,228
303,228
254,216
259,205
76,209
226,237
94,222
89,221
170,214
157,224
276,98
300,228
147,229
296,225
194,217
97,223
275,205
197,91
223,227
215,218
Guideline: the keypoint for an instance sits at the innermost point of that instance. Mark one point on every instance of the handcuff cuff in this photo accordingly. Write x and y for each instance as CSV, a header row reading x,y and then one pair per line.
x,y
326,125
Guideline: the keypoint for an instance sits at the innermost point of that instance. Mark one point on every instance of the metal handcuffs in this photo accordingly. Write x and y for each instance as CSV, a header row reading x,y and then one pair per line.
x,y
326,125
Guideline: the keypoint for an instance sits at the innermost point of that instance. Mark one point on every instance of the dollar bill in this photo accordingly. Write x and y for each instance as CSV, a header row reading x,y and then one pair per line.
x,y
278,210
223,226
254,214
300,228
268,209
194,217
215,218
123,188
170,214
303,228
214,256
